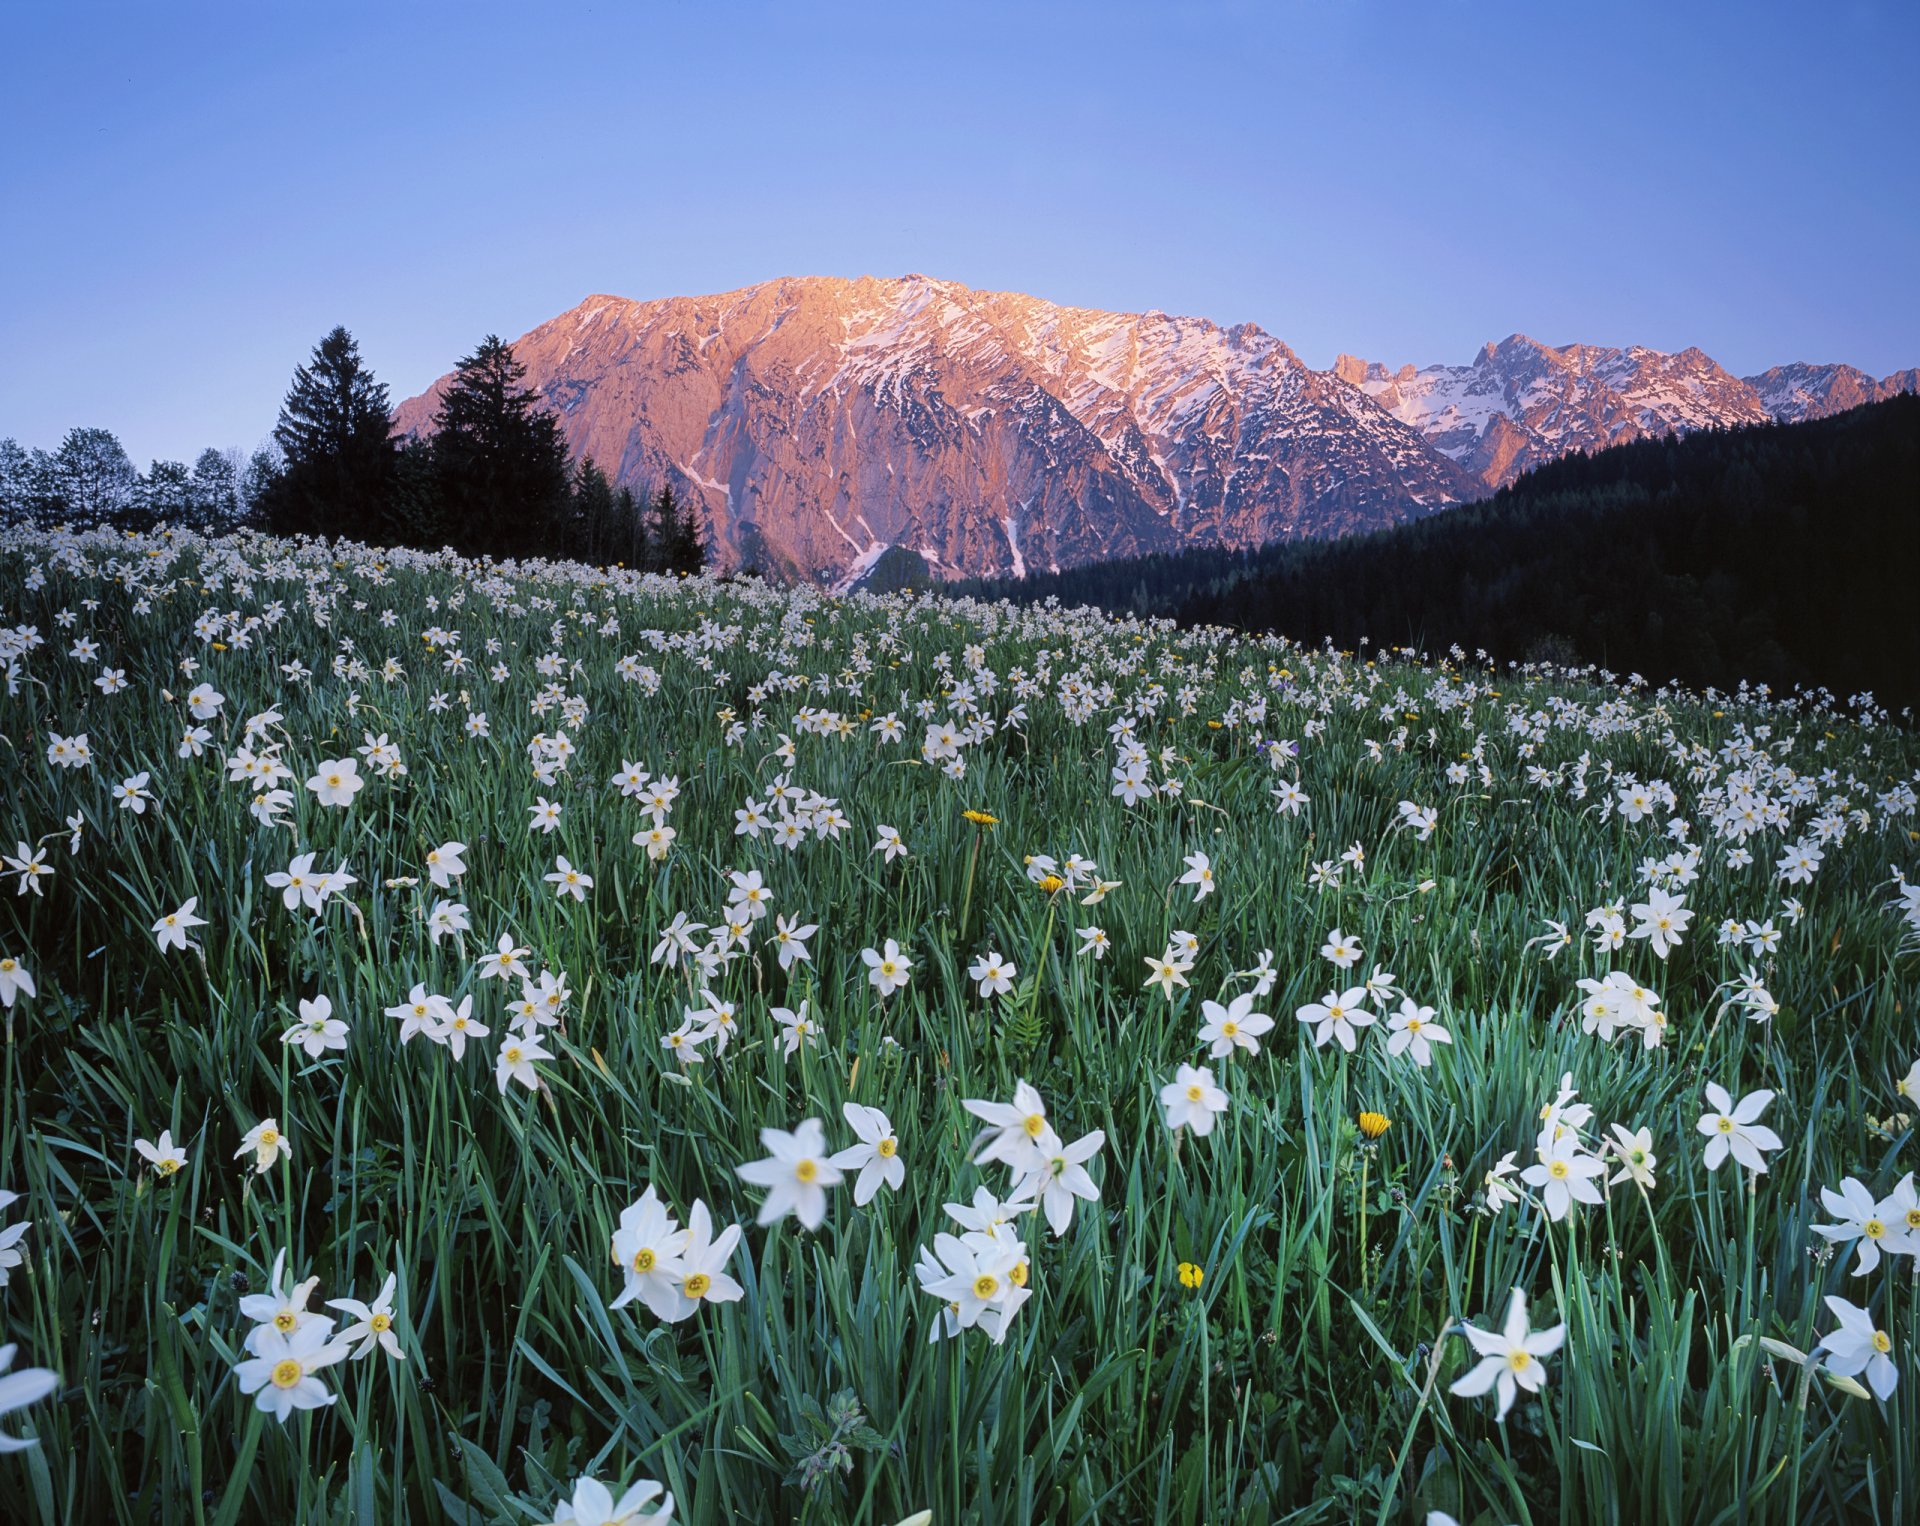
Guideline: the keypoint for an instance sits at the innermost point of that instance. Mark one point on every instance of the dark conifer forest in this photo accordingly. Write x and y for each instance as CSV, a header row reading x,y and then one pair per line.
x,y
1784,554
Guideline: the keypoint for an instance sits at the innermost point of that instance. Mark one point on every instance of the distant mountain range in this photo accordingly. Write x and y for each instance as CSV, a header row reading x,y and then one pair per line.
x,y
820,422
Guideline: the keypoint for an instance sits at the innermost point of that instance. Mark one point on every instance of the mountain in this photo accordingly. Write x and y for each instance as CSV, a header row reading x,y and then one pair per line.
x,y
1522,403
822,422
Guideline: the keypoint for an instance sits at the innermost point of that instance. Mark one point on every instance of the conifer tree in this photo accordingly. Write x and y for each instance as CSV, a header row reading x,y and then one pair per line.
x,y
501,461
335,432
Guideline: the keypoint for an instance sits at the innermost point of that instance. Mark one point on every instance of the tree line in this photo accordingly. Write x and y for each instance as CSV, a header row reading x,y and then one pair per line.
x,y
1780,553
492,478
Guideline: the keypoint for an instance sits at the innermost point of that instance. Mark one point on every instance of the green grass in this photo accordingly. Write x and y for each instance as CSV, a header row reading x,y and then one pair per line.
x,y
1305,1380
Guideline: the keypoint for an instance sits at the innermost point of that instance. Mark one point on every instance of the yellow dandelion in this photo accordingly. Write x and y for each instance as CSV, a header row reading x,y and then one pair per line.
x,y
1373,1125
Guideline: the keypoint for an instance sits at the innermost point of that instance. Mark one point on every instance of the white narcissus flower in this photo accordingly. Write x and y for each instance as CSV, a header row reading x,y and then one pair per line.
x,y
1054,1173
318,1029
373,1323
280,1373
995,975
1879,1228
336,781
797,1172
1412,1031
515,1063
1199,875
888,970
593,1504
876,1157
1734,1129
14,981
703,1274
1010,1125
19,1389
172,929
1233,1026
162,1154
265,1143
1859,1346
282,1309
446,863
1192,1100
1339,1015
1564,1175
646,1248
1510,1361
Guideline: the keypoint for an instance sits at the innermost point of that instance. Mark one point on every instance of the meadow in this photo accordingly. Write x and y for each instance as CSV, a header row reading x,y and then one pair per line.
x,y
511,1043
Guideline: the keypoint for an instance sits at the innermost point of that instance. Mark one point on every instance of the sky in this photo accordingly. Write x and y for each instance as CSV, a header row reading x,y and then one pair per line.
x,y
195,193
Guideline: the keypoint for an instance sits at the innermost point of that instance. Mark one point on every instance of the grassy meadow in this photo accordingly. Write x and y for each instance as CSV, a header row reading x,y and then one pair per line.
x,y
1087,839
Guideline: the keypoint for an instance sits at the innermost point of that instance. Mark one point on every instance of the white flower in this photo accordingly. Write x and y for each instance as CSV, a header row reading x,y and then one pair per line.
x,y
876,1157
373,1323
161,1154
265,1143
1877,1227
19,1389
1338,1015
318,1029
14,981
646,1248
1414,1032
1234,1026
1858,1346
994,974
888,970
593,1504
797,1171
171,930
1192,1100
1054,1172
1199,875
515,1063
1511,1360
280,1373
336,782
1736,1130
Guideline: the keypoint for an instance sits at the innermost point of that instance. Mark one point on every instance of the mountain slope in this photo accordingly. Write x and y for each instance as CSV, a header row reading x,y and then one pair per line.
x,y
821,422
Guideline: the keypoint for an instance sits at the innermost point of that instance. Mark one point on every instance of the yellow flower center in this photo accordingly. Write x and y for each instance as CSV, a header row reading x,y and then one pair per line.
x,y
644,1259
1520,1361
269,1138
1018,1276
1194,1093
887,1148
287,1372
985,1285
1034,1124
1558,1169
807,1170
697,1285
1882,1342
285,1322
380,1323
1873,1229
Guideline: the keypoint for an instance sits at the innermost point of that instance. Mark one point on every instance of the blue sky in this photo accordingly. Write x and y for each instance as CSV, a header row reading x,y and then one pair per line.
x,y
194,193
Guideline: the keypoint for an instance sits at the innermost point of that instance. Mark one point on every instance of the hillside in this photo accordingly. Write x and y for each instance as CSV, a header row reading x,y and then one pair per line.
x,y
1782,553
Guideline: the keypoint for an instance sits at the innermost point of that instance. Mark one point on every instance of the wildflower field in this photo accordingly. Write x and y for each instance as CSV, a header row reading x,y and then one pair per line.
x,y
531,1043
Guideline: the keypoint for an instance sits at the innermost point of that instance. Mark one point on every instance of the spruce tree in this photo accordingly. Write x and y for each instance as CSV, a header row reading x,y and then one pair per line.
x,y
215,491
500,458
335,432
678,543
594,533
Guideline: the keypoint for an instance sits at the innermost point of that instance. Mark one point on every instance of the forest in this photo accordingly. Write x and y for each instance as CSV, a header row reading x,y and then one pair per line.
x,y
1785,554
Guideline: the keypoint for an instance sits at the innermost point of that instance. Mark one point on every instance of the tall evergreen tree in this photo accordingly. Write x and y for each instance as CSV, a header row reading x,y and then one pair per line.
x,y
595,534
500,458
679,543
257,481
335,432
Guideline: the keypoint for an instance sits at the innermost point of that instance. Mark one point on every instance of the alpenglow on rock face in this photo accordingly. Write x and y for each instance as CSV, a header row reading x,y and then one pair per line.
x,y
822,422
